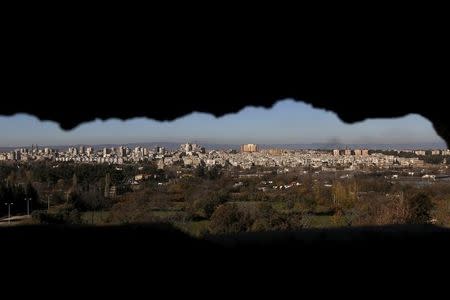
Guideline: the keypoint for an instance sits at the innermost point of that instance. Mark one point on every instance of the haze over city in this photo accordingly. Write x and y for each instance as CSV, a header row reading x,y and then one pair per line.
x,y
287,122
288,168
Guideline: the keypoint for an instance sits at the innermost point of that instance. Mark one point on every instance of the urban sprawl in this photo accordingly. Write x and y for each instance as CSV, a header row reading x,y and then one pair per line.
x,y
247,156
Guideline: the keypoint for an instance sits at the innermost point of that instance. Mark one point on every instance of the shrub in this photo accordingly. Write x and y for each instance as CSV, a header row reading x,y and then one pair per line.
x,y
65,216
268,219
227,218
85,201
208,204
289,204
414,209
419,209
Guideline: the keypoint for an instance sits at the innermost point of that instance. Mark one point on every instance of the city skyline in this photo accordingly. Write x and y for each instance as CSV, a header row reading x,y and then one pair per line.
x,y
287,122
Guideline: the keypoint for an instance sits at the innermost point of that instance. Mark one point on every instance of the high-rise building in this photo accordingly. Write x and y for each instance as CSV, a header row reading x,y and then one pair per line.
x,y
249,148
138,152
358,152
106,151
72,151
17,155
336,152
89,151
365,152
348,152
121,151
186,147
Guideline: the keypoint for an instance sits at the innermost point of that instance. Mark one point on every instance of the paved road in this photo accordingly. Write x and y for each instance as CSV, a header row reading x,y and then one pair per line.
x,y
13,220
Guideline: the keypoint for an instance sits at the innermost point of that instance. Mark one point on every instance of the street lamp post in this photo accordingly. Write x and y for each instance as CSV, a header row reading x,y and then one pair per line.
x,y
9,211
28,205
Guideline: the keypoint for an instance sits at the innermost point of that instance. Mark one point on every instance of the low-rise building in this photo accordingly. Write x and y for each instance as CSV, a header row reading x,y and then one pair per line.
x,y
435,152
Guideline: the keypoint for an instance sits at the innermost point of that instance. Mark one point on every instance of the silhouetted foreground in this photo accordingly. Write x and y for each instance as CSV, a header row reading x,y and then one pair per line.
x,y
153,244
252,75
136,259
376,236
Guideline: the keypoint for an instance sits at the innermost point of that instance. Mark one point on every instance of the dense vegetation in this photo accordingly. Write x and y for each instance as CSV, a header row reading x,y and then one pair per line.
x,y
217,200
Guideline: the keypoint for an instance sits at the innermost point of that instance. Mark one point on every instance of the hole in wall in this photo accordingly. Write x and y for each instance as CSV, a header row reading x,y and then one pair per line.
x,y
300,167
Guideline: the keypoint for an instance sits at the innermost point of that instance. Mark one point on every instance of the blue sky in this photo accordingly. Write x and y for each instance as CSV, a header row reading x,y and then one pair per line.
x,y
286,122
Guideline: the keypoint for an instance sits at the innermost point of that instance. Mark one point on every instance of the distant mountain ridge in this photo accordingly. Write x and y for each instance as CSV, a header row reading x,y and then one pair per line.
x,y
211,146
330,146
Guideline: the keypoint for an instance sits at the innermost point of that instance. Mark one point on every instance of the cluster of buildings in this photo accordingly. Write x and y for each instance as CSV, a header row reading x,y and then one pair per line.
x,y
83,154
423,152
318,159
192,148
194,155
348,152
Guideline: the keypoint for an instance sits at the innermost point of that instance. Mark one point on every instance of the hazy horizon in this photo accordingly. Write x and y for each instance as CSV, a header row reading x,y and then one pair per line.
x,y
287,122
305,146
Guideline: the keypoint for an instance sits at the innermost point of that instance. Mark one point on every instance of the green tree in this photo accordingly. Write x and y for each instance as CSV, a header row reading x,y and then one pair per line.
x,y
200,171
208,204
227,218
213,173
